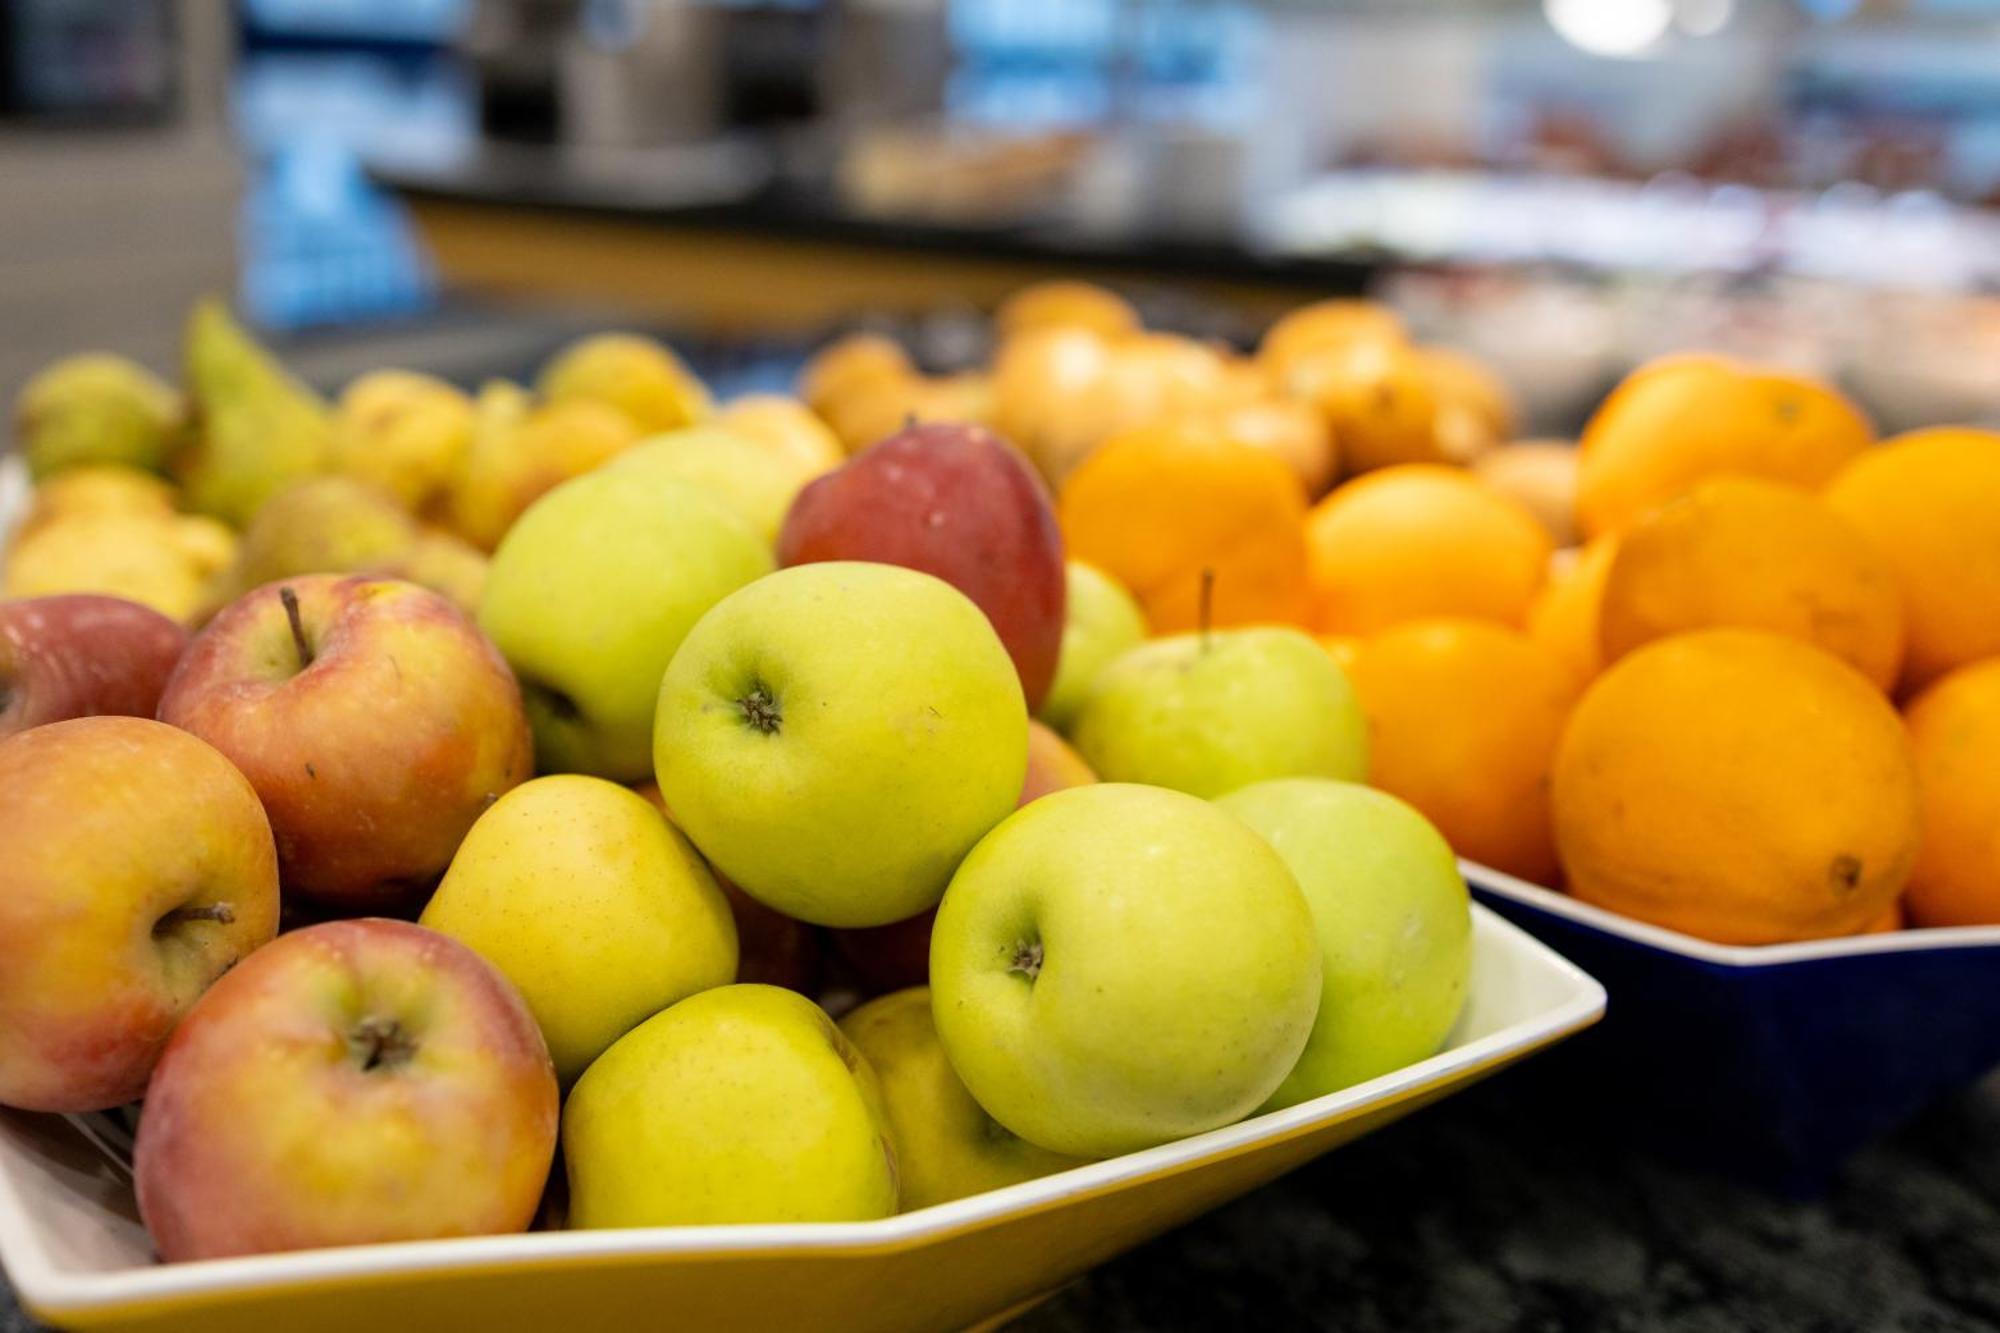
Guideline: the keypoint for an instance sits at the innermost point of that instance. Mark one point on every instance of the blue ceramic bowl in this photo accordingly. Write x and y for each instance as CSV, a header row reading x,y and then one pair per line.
x,y
1769,1063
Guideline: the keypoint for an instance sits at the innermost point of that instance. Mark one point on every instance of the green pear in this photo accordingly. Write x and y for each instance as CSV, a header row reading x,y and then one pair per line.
x,y
324,525
589,595
740,1104
595,907
1208,712
97,408
1394,924
256,429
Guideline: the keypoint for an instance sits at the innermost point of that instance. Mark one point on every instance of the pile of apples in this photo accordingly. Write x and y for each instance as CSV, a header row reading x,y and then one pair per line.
x,y
385,882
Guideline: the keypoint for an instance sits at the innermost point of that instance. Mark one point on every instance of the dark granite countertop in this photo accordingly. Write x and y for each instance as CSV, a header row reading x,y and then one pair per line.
x,y
1477,1215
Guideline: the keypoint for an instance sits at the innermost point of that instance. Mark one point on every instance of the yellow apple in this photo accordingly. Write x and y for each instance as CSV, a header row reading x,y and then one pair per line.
x,y
740,1104
639,377
596,908
754,481
946,1145
403,433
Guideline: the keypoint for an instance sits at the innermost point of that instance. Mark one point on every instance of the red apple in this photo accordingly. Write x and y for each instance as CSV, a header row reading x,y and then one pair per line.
x,y
81,655
135,868
891,957
771,948
958,502
354,1082
374,719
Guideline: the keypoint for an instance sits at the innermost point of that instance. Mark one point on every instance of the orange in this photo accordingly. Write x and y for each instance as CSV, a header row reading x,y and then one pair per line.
x,y
1757,555
1380,403
1889,921
1147,377
1038,378
1462,378
1421,540
1930,502
1955,727
850,361
1156,506
1541,475
875,409
1739,786
1323,324
1680,419
1293,432
1066,305
1463,719
1564,616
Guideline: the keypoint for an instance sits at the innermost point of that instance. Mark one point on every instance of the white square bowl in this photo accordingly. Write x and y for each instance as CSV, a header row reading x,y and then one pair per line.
x,y
73,1248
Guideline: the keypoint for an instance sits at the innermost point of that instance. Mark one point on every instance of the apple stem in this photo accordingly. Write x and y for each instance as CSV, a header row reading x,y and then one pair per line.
x,y
299,641
1206,613
220,913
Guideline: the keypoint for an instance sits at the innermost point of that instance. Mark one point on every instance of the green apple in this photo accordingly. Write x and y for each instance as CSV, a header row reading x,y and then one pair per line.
x,y
758,484
1100,623
1117,966
1394,923
1209,712
740,1104
594,906
835,737
590,594
947,1147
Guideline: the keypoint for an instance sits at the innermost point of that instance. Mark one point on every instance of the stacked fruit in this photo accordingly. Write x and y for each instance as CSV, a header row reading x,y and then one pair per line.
x,y
780,702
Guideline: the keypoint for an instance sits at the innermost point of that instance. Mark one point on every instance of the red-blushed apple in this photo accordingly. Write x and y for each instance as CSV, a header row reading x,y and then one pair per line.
x,y
958,502
898,955
81,655
374,719
351,1083
772,949
136,867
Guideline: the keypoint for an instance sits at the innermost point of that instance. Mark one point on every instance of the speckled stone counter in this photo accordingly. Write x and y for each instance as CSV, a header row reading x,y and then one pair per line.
x,y
1473,1215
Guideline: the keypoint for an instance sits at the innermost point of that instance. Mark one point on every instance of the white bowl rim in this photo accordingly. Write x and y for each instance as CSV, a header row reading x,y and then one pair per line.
x,y
46,1289
1555,903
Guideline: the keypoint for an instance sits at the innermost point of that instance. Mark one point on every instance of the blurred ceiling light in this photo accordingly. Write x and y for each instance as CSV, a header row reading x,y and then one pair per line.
x,y
1704,18
1610,27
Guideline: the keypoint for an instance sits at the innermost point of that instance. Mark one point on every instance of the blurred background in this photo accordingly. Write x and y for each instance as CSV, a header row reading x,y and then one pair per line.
x,y
1562,186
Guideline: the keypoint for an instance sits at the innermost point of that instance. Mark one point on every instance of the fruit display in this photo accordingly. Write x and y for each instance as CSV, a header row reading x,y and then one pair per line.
x,y
820,808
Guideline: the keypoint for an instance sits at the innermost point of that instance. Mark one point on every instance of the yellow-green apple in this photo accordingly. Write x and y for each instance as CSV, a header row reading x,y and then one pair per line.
x,y
959,502
596,908
874,721
1116,966
324,525
898,955
946,1145
1393,919
403,433
147,559
740,1104
521,451
1212,711
96,408
256,428
771,948
374,720
1101,623
590,595
137,869
639,377
351,1083
748,478
79,655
